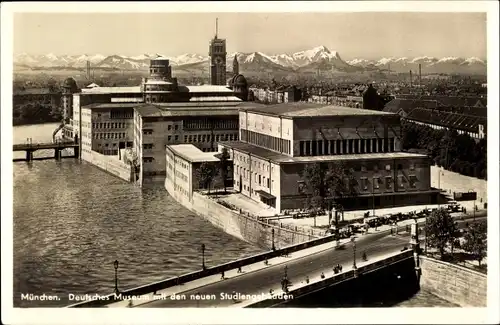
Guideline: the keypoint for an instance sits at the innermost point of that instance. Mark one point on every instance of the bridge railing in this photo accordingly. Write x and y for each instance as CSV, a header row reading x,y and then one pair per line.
x,y
22,146
344,276
163,284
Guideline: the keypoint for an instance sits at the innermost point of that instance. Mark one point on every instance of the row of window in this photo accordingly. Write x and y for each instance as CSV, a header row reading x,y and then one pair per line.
x,y
107,145
266,141
181,176
260,179
180,189
147,159
147,146
377,183
207,138
208,123
256,164
108,152
85,124
349,146
124,113
163,87
110,125
112,135
175,126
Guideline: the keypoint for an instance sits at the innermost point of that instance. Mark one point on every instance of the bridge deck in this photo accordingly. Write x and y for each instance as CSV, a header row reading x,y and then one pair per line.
x,y
40,146
262,277
258,278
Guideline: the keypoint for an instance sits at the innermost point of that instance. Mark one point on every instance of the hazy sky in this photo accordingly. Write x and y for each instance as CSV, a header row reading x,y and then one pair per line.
x,y
353,35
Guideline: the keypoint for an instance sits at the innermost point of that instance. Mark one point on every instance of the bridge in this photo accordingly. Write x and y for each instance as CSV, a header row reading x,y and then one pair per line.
x,y
29,148
257,281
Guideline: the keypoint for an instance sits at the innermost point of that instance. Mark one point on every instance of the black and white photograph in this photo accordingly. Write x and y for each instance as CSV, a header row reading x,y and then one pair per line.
x,y
194,157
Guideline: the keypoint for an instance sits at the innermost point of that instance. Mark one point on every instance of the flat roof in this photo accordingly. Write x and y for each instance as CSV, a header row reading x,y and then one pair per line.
x,y
159,111
111,105
192,154
215,99
284,159
297,110
112,90
207,89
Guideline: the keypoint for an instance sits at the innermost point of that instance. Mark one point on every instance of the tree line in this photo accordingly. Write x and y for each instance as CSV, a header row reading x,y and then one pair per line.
x,y
442,234
447,148
35,112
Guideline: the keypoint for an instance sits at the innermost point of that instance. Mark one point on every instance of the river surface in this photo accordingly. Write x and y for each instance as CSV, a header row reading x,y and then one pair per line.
x,y
72,220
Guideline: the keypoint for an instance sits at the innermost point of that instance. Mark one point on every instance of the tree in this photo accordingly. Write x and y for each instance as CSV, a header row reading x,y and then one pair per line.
x,y
440,230
326,184
206,174
224,165
475,241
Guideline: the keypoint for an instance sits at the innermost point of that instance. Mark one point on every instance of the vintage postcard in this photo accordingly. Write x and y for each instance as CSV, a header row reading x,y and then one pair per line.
x,y
304,162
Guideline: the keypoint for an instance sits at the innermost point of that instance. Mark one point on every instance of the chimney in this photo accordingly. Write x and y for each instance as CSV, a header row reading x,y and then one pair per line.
x,y
411,79
419,75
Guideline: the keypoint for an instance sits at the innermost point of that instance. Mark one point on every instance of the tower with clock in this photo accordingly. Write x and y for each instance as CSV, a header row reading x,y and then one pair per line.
x,y
217,53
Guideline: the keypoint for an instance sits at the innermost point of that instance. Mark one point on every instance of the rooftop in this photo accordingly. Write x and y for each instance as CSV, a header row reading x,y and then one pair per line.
x,y
111,105
313,109
112,90
283,159
192,153
215,99
206,89
149,110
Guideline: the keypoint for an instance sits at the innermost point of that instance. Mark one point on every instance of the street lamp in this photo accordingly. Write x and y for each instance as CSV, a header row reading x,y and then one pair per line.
x,y
203,256
354,267
474,207
272,234
116,264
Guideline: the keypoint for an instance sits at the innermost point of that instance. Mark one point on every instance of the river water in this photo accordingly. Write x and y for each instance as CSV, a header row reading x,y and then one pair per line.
x,y
72,220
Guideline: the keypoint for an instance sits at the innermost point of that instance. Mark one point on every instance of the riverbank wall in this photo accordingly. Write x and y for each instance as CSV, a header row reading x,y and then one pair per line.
x,y
110,164
240,225
454,283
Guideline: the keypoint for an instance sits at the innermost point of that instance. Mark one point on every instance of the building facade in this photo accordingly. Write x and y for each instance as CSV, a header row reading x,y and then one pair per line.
x,y
148,117
182,164
217,61
278,141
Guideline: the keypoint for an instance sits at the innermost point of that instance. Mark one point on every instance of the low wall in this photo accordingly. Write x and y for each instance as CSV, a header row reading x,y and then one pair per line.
x,y
246,227
337,279
237,224
454,283
110,164
160,285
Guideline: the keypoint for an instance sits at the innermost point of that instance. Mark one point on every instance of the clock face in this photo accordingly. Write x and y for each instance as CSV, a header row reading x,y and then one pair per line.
x,y
218,60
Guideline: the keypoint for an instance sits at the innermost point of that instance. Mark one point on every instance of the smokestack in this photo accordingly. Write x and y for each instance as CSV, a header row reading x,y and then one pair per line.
x,y
411,79
420,75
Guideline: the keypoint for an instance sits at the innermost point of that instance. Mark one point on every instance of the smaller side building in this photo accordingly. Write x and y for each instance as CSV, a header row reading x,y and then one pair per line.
x,y
182,164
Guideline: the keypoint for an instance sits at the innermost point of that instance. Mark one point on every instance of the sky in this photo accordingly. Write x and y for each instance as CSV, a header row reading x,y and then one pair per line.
x,y
353,35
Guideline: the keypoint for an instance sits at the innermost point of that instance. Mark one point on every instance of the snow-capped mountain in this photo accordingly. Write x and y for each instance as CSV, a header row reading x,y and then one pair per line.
x,y
428,64
285,60
317,58
116,61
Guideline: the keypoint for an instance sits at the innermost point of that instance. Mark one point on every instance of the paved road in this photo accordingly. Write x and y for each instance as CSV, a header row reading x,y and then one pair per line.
x,y
261,281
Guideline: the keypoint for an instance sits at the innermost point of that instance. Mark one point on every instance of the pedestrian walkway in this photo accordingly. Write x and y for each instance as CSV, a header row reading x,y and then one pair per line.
x,y
227,274
316,277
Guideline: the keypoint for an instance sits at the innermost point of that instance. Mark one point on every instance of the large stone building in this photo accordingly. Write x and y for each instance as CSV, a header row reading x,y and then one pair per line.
x,y
158,112
277,141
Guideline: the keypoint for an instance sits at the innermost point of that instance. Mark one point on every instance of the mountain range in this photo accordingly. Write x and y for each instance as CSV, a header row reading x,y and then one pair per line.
x,y
307,61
